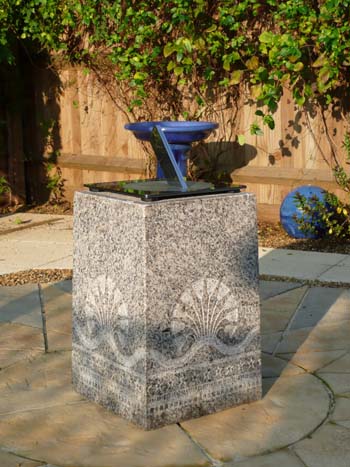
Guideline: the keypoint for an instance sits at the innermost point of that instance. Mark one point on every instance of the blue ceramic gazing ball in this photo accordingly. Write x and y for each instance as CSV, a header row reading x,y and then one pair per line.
x,y
289,210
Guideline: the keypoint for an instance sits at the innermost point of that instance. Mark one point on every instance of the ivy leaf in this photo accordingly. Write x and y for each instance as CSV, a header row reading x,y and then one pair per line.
x,y
269,121
255,129
259,113
252,63
140,75
267,37
212,28
227,63
171,65
285,78
236,77
320,61
299,98
241,140
178,70
324,75
187,44
298,66
168,50
256,91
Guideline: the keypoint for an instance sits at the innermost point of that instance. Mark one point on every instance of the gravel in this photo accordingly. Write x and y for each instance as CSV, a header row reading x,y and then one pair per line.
x,y
35,276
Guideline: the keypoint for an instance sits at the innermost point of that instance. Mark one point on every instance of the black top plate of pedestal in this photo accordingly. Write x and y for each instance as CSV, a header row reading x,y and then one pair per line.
x,y
172,186
158,189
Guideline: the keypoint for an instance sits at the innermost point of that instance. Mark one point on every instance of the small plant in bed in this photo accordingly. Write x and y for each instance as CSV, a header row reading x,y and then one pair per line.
x,y
327,217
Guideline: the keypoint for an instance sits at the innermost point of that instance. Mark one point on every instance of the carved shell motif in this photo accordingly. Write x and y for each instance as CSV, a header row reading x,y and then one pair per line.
x,y
206,308
106,316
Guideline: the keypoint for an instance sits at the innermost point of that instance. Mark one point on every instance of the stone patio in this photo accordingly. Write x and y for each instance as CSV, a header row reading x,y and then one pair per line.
x,y
302,420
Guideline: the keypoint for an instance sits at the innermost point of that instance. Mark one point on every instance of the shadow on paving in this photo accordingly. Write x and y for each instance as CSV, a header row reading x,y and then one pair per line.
x,y
306,326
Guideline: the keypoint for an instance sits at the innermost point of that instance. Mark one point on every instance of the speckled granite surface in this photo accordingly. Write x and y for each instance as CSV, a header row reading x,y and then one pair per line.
x,y
165,305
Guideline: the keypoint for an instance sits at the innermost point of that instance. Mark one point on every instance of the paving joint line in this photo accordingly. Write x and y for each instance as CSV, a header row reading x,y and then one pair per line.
x,y
330,267
284,291
214,462
29,226
291,449
43,318
287,328
21,456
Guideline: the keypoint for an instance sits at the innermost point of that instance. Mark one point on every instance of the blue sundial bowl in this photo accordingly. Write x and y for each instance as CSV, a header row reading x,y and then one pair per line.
x,y
179,134
289,212
175,132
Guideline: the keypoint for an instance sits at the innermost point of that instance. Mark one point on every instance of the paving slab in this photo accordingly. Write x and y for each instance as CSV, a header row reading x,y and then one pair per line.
x,y
339,274
339,365
20,304
276,312
11,460
270,289
292,408
340,383
270,341
326,337
55,426
328,447
312,361
273,367
341,410
344,423
57,302
18,342
297,264
27,220
42,247
276,459
322,305
14,336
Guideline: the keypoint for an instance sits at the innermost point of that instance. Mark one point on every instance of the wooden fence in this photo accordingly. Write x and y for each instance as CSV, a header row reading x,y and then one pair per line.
x,y
85,129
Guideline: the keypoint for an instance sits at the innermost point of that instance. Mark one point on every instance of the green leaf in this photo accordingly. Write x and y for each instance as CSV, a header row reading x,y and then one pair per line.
x,y
178,70
320,61
171,65
187,44
267,37
241,140
259,113
168,50
256,91
269,121
141,76
298,66
236,77
252,63
226,63
324,75
212,28
255,129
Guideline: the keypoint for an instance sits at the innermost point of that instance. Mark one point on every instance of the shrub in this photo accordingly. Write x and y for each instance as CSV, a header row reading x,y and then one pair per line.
x,y
329,217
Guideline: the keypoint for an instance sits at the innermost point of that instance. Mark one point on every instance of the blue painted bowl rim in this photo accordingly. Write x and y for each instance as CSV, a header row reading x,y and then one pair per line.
x,y
174,126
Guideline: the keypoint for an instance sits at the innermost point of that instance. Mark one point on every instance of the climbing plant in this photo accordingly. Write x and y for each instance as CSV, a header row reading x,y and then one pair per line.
x,y
194,59
186,51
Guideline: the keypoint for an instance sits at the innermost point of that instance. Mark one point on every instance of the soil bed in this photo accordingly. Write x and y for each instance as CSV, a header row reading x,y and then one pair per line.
x,y
273,236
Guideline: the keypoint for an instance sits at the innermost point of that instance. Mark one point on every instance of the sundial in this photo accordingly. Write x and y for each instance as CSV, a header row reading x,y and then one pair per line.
x,y
172,185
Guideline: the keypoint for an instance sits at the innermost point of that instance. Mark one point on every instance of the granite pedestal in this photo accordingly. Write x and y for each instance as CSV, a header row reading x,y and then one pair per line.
x,y
165,305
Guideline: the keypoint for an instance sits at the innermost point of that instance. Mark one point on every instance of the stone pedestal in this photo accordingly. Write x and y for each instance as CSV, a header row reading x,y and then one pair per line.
x,y
165,305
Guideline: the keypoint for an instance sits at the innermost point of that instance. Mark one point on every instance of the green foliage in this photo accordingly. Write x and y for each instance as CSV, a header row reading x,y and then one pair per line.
x,y
170,46
4,186
55,182
330,217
